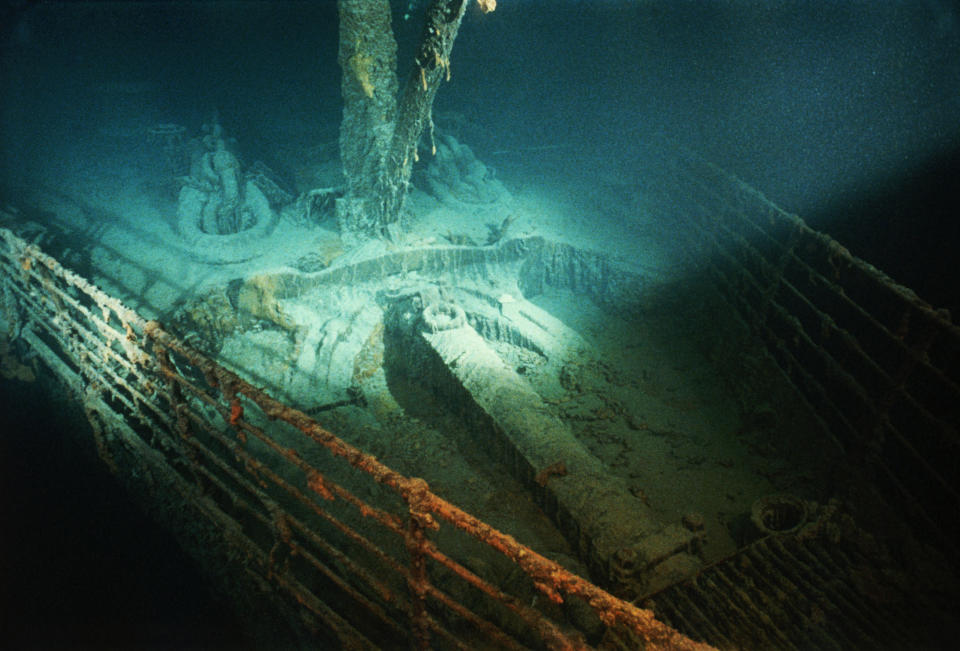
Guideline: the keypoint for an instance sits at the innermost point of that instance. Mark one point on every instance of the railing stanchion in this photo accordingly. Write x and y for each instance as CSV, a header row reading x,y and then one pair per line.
x,y
413,491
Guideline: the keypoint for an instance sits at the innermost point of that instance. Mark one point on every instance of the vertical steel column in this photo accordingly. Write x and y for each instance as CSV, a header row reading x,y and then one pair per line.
x,y
178,404
414,491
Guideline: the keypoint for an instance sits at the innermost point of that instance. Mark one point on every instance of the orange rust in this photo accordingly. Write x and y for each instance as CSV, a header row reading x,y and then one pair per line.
x,y
548,590
236,412
414,491
553,580
555,469
426,509
318,485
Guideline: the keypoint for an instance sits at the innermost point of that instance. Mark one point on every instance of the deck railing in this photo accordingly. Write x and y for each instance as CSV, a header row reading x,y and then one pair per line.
x,y
874,361
368,557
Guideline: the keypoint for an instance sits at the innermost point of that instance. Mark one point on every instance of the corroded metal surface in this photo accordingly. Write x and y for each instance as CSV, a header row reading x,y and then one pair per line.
x,y
302,528
876,362
803,592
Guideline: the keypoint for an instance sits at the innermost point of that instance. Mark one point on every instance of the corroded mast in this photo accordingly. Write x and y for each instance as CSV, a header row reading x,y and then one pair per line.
x,y
381,128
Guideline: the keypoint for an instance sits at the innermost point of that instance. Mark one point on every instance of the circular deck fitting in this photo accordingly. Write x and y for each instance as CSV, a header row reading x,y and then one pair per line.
x,y
443,316
779,514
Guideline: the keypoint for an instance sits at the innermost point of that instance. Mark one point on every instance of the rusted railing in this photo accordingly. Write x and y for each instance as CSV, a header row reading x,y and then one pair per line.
x,y
876,363
370,556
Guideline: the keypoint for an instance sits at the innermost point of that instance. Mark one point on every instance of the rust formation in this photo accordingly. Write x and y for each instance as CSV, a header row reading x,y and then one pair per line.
x,y
206,429
365,556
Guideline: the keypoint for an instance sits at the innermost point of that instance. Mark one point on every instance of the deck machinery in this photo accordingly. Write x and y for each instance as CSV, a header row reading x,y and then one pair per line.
x,y
319,540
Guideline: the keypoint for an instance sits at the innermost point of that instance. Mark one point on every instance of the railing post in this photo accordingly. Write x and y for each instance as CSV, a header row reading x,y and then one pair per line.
x,y
414,490
10,308
178,404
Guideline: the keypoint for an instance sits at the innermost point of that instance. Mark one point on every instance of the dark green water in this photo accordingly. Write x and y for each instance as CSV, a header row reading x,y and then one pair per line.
x,y
80,565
